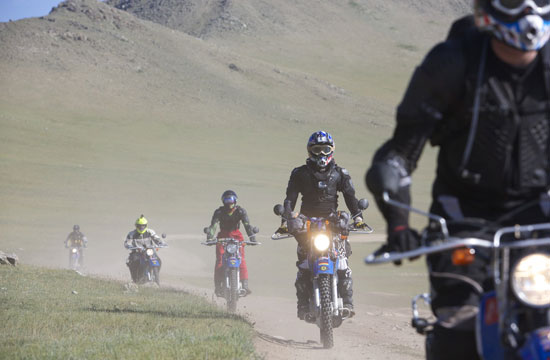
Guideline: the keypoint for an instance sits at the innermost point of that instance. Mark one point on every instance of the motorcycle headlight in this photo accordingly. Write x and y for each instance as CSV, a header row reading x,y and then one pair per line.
x,y
74,250
531,280
321,242
149,252
231,248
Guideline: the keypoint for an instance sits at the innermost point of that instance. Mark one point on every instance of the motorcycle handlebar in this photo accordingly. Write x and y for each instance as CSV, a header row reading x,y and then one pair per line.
x,y
221,241
381,256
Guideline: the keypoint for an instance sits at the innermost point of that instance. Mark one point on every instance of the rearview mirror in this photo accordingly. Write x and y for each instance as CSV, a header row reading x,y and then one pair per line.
x,y
163,235
278,209
205,230
255,230
363,204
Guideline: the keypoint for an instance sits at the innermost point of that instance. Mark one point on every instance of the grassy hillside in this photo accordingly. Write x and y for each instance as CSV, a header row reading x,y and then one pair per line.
x,y
105,116
55,314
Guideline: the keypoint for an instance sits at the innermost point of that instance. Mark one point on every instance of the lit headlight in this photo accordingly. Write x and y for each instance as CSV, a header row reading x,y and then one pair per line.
x,y
149,252
231,248
74,250
321,242
531,280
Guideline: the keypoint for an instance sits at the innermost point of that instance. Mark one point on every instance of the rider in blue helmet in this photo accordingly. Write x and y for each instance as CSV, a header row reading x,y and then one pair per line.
x,y
319,182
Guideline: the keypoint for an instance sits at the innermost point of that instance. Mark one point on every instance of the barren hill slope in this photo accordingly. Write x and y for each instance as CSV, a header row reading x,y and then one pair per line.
x,y
96,98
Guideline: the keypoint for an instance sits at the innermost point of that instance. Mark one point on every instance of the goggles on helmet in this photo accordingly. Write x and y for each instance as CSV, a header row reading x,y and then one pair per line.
x,y
321,149
229,200
517,7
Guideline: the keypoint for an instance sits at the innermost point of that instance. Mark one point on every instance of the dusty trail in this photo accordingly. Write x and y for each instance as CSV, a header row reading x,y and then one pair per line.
x,y
380,329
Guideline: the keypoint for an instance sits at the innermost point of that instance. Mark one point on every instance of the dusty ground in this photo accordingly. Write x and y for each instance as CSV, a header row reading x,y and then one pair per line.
x,y
380,330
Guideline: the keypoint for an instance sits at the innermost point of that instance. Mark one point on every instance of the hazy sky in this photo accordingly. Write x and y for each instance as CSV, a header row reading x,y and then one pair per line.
x,y
18,9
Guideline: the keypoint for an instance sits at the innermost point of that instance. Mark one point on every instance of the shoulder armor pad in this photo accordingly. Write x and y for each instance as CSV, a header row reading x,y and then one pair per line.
x,y
344,171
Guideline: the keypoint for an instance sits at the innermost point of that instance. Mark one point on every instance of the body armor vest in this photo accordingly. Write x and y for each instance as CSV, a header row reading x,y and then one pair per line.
x,y
320,189
509,151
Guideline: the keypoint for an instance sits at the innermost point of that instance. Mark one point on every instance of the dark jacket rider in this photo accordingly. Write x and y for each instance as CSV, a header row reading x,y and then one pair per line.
x,y
483,97
229,216
76,238
319,182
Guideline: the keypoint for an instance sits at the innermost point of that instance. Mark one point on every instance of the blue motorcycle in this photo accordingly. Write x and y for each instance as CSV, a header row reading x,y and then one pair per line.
x,y
231,267
149,263
327,241
513,321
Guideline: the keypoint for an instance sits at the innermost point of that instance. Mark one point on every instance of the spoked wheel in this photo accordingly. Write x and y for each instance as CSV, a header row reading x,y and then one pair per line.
x,y
325,291
233,290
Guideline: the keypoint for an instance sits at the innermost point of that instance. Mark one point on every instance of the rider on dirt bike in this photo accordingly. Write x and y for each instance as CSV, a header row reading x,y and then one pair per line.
x,y
77,239
140,237
230,215
319,181
482,96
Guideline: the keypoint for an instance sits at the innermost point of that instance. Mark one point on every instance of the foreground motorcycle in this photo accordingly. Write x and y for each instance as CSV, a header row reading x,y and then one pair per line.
x,y
149,263
75,258
231,267
514,318
327,241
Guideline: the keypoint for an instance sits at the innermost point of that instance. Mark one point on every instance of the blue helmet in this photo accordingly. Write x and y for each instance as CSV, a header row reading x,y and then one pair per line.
x,y
522,24
229,198
320,148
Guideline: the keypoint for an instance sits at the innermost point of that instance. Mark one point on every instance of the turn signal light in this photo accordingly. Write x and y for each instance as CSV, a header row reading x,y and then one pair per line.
x,y
463,256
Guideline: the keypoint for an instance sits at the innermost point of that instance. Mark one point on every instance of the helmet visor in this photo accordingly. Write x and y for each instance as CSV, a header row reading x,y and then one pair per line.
x,y
517,7
229,200
141,227
321,149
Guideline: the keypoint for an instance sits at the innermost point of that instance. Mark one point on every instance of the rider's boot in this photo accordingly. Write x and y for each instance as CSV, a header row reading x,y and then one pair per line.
x,y
346,290
244,283
302,294
219,283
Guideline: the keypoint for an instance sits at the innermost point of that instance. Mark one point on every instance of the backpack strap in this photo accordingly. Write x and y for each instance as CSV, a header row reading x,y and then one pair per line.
x,y
546,68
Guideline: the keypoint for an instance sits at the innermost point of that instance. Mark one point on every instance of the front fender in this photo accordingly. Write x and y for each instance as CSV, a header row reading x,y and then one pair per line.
x,y
323,265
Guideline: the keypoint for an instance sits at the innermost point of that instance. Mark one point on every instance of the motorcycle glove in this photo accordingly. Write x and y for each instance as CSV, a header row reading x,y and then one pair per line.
x,y
252,238
359,224
283,229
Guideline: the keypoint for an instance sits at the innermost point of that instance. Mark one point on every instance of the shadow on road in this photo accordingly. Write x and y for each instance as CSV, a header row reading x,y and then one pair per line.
x,y
310,344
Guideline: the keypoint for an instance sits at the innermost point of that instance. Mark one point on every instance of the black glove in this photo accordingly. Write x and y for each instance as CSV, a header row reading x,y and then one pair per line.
x,y
252,238
402,239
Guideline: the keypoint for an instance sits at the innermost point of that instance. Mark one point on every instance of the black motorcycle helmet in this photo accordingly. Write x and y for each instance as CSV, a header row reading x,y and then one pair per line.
x,y
76,228
229,199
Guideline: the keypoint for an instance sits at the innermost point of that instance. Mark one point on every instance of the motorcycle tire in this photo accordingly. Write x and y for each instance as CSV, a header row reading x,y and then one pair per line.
x,y
233,290
325,291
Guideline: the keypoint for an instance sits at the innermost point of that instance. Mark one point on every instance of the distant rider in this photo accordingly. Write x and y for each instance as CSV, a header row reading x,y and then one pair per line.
x,y
78,240
229,216
319,181
141,237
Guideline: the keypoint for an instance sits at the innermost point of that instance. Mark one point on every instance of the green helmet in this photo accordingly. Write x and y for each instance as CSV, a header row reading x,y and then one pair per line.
x,y
141,224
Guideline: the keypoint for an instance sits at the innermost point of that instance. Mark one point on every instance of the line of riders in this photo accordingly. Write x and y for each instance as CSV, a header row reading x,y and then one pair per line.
x,y
483,97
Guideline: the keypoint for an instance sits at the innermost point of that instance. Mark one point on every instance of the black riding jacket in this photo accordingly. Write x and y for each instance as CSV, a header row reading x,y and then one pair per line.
x,y
320,189
76,238
508,163
486,170
230,221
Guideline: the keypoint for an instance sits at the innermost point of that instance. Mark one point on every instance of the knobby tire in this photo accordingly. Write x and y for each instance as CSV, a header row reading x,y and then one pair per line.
x,y
233,290
325,291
